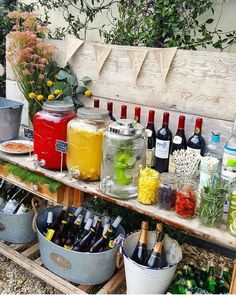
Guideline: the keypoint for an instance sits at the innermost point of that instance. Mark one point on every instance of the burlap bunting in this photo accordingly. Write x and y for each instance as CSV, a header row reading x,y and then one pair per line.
x,y
102,52
73,44
136,59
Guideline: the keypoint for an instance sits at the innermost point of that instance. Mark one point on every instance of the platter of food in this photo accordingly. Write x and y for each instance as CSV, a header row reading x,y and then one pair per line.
x,y
17,147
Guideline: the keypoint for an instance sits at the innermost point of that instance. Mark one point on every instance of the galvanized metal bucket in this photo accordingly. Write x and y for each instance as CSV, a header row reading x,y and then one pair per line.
x,y
143,280
77,267
16,228
10,119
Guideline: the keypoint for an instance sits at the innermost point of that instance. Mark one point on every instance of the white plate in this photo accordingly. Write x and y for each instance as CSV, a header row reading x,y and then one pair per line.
x,y
25,142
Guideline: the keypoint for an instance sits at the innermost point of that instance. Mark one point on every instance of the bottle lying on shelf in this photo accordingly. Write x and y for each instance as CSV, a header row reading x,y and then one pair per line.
x,y
81,232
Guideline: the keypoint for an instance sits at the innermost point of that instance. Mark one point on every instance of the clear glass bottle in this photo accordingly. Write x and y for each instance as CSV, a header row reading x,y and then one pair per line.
x,y
85,138
167,191
215,147
123,152
186,198
228,171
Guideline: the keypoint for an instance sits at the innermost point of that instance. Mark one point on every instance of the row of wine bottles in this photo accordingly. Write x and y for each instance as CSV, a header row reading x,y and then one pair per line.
x,y
160,144
13,199
191,279
80,231
157,257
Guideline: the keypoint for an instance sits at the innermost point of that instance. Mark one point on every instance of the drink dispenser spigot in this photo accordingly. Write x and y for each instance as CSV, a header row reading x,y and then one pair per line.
x,y
124,150
38,163
73,172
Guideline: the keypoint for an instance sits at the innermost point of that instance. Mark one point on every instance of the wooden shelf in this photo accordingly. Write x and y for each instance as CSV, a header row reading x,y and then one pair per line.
x,y
217,235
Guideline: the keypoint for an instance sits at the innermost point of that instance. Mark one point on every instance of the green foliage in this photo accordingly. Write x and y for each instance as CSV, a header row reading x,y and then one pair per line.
x,y
5,26
30,177
167,23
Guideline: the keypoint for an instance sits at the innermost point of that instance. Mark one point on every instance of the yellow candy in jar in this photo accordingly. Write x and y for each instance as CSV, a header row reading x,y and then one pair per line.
x,y
148,184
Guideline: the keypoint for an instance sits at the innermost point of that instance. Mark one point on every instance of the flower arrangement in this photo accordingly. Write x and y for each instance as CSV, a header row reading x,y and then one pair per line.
x,y
31,57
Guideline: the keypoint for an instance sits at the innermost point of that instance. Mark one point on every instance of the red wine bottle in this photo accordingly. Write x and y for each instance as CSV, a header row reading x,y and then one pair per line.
x,y
123,112
137,114
163,143
196,141
96,103
151,141
110,110
179,143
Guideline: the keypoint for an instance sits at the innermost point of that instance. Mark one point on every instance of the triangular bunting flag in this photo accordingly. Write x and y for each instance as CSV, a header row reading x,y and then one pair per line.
x,y
73,44
164,57
101,53
136,59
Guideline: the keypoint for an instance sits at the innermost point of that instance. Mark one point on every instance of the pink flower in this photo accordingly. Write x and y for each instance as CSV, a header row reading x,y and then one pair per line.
x,y
26,72
32,82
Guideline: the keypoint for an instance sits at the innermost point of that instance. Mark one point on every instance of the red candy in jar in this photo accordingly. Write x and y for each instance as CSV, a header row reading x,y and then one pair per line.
x,y
50,125
185,205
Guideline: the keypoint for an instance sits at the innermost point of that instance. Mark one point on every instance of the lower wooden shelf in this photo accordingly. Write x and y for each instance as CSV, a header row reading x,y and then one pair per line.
x,y
28,257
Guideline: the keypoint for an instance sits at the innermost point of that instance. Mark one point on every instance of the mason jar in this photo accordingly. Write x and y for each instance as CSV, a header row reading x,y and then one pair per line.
x,y
167,191
50,125
85,138
231,221
148,183
186,199
124,151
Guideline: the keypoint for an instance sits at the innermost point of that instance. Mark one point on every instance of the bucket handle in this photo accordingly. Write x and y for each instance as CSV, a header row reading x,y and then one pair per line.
x,y
119,260
37,203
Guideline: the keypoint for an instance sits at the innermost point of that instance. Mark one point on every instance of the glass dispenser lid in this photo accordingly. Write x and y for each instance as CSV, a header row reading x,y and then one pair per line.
x,y
126,127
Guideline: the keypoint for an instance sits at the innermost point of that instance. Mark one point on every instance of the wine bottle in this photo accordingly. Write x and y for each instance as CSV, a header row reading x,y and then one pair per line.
x,y
163,143
73,233
102,243
159,228
179,143
88,215
151,141
155,259
202,280
196,141
123,112
60,235
140,252
86,230
71,217
96,103
114,227
86,240
137,114
98,232
110,110
56,224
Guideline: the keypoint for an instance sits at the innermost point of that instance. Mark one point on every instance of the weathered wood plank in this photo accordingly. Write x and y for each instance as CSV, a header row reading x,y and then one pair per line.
x,y
17,247
199,82
31,251
192,226
209,124
114,283
38,261
40,272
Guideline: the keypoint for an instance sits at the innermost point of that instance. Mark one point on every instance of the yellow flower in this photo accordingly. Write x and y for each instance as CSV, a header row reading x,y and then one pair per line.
x,y
88,93
40,97
58,91
32,95
49,83
51,97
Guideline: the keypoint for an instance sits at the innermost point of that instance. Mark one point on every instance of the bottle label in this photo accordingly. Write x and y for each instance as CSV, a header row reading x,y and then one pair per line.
x,y
228,171
150,157
162,149
172,166
68,247
49,234
195,150
177,139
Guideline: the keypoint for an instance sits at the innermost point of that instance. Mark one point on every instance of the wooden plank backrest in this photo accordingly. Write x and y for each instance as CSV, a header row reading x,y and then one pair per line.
x,y
199,83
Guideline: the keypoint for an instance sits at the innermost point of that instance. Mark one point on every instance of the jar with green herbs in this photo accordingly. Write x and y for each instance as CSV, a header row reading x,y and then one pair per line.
x,y
212,202
231,222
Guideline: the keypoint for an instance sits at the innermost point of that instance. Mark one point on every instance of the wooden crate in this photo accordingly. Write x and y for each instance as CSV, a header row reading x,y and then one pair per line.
x,y
28,257
65,195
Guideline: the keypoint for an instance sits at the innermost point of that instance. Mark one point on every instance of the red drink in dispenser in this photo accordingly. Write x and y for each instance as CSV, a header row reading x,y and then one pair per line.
x,y
50,125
